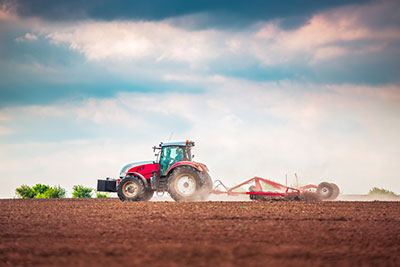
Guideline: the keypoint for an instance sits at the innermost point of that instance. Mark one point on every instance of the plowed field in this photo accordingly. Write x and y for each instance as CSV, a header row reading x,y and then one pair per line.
x,y
110,233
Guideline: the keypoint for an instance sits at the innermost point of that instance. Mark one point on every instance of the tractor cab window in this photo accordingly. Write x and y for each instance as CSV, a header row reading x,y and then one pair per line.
x,y
170,155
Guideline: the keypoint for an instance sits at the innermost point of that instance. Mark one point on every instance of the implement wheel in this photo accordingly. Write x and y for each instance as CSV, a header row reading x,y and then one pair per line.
x,y
336,191
325,191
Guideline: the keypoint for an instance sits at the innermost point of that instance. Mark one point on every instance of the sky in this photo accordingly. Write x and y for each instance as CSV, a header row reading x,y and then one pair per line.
x,y
264,88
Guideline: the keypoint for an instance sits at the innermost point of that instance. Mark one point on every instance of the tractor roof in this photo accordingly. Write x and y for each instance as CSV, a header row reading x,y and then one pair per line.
x,y
182,143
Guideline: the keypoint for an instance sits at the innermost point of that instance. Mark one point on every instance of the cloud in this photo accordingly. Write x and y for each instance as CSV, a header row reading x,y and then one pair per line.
x,y
4,16
3,129
102,58
81,58
7,11
28,37
136,40
331,36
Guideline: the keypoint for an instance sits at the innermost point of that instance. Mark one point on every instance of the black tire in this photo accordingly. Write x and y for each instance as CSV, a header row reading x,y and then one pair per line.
x,y
325,191
131,189
336,191
147,195
187,184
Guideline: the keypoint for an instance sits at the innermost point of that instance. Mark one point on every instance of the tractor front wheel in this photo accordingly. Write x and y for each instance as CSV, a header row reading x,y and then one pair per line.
x,y
186,184
131,189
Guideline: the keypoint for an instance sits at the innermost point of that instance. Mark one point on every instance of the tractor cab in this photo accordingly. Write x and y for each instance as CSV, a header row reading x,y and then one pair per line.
x,y
173,152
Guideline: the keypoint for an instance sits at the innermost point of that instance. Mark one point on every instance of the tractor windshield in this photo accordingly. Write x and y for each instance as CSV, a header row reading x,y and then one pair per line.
x,y
172,154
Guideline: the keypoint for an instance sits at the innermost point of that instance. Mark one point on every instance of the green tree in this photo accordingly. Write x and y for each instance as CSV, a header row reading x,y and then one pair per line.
x,y
80,191
25,191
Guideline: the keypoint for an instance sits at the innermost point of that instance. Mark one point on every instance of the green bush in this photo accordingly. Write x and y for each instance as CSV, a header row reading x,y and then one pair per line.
x,y
24,191
80,191
56,192
40,191
380,191
102,195
52,192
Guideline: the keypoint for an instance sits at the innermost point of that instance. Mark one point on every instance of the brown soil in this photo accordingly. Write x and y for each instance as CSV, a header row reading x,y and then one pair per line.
x,y
108,232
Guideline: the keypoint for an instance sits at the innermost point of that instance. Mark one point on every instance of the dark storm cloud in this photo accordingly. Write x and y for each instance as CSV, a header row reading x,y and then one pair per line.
x,y
221,12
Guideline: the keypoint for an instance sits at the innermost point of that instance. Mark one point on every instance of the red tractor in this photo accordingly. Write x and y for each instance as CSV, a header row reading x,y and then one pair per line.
x,y
173,171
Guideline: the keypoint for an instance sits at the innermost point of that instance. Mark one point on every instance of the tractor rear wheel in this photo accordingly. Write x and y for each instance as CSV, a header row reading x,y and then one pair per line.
x,y
325,191
186,184
207,187
131,189
147,195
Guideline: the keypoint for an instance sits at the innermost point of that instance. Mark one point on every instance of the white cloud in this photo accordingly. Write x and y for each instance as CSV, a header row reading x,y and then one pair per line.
x,y
5,118
325,36
5,130
124,40
355,30
27,37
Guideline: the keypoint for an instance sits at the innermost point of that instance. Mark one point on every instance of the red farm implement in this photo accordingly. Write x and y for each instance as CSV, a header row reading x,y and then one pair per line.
x,y
263,189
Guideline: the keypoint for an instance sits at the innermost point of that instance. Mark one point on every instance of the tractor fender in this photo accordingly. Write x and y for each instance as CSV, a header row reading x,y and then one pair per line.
x,y
138,175
196,165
